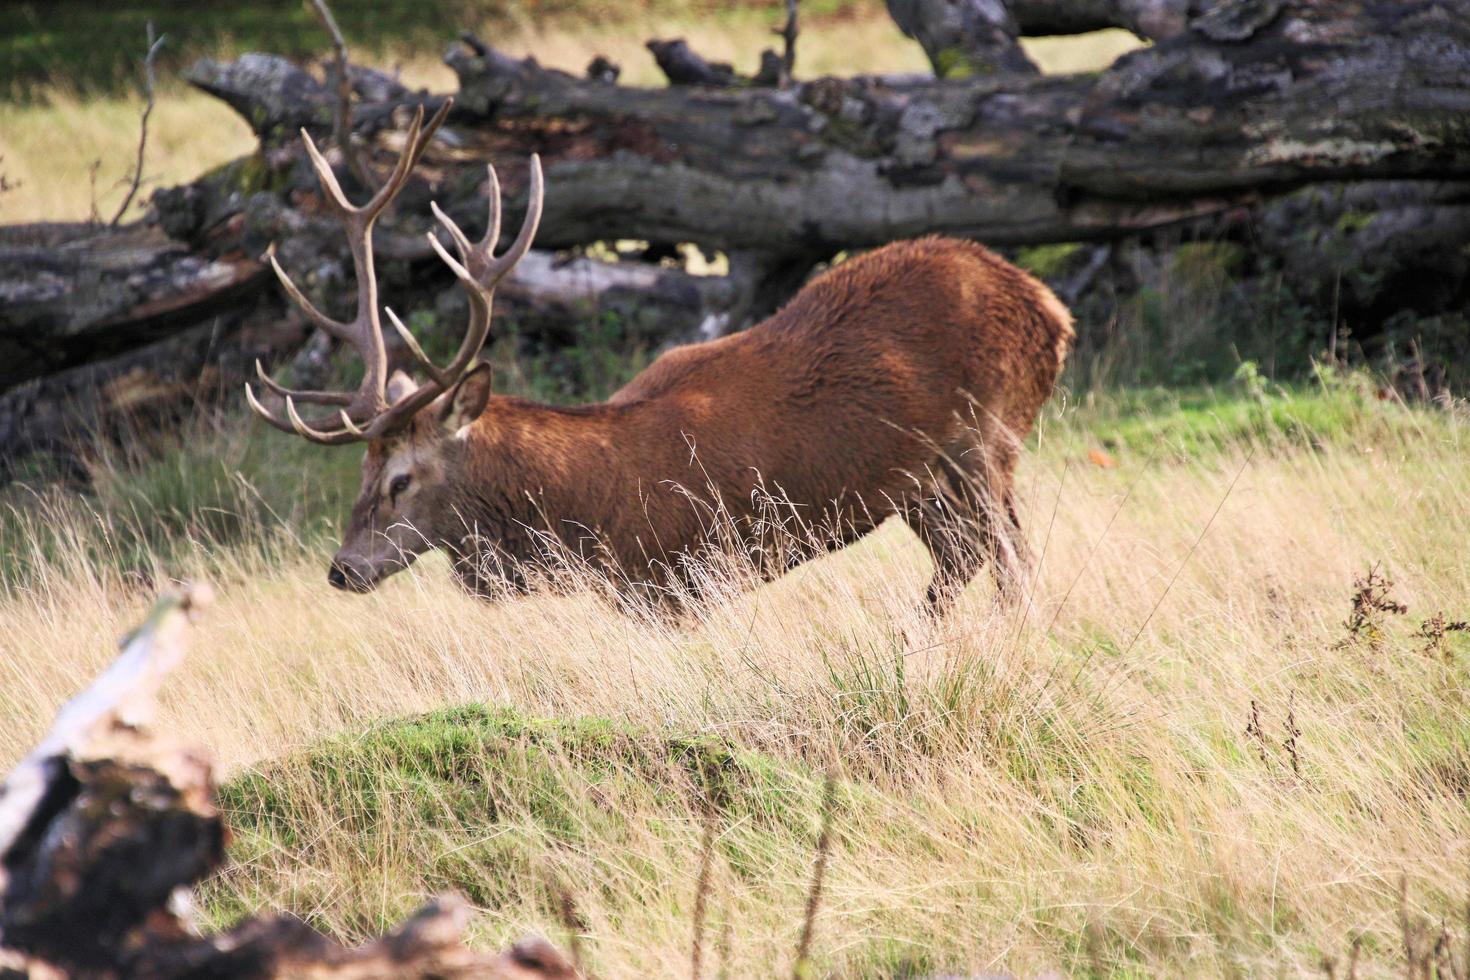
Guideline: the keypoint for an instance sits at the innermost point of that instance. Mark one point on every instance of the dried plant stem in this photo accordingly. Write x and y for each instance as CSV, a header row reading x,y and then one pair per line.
x,y
342,119
567,909
788,33
819,872
154,44
1292,733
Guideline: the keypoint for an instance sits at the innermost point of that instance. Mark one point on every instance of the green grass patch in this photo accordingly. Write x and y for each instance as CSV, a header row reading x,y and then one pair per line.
x,y
1189,423
490,801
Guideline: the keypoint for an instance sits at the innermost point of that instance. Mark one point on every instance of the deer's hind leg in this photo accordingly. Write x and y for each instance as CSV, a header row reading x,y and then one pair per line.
x,y
968,516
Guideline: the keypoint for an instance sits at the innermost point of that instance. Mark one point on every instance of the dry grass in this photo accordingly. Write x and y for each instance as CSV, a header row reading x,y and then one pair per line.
x,y
1076,792
49,149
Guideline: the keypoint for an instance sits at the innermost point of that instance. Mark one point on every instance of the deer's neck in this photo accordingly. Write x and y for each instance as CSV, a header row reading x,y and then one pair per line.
x,y
524,470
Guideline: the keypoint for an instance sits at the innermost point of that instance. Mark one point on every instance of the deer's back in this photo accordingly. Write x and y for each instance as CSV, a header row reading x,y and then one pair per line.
x,y
853,383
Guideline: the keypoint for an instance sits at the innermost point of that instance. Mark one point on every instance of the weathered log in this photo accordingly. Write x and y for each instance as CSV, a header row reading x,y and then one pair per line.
x,y
65,415
106,827
78,293
1317,93
1157,20
206,346
1249,100
1169,132
682,65
964,37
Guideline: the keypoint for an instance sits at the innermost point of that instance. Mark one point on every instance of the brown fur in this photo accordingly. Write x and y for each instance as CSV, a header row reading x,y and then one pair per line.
x,y
901,381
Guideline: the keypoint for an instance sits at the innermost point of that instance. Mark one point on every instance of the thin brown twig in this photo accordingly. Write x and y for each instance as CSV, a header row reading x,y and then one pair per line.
x,y
819,871
154,44
342,119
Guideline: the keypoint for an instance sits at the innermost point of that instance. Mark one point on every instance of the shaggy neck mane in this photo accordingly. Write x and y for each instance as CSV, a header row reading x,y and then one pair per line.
x,y
524,467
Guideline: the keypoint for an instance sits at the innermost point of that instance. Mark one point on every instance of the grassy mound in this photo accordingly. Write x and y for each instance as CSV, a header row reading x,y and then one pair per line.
x,y
510,810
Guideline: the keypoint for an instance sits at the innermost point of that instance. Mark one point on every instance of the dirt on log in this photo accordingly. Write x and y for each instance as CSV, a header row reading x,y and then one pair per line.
x,y
107,826
1239,103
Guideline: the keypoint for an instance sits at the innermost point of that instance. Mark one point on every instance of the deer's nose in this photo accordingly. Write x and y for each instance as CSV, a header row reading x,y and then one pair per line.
x,y
337,576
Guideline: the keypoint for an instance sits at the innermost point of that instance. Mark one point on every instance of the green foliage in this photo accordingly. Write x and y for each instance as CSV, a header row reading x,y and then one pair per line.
x,y
1338,409
1201,310
220,487
49,42
957,63
608,351
1048,261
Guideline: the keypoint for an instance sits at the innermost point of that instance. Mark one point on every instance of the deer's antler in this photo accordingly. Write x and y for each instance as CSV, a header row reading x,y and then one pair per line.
x,y
366,414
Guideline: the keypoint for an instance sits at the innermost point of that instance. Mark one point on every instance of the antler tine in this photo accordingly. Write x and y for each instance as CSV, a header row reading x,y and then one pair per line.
x,y
461,243
325,176
262,411
486,271
350,434
419,137
334,328
522,244
479,274
350,426
417,351
298,426
492,224
454,264
310,397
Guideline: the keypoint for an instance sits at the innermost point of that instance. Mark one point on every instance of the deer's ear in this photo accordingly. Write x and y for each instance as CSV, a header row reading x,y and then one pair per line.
x,y
399,384
468,399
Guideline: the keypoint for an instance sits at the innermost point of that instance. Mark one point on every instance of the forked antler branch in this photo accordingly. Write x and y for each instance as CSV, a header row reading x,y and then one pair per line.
x,y
366,413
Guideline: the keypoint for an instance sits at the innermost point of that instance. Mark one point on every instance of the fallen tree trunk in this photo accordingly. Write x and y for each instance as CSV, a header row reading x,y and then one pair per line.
x,y
112,332
79,293
1257,98
106,827
1167,133
1246,101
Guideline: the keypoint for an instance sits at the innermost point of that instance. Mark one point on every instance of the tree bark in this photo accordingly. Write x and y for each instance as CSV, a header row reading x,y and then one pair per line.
x,y
1184,128
964,37
95,362
1156,20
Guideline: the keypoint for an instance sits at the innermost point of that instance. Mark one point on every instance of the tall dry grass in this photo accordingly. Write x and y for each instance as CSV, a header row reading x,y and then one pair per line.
x,y
1075,789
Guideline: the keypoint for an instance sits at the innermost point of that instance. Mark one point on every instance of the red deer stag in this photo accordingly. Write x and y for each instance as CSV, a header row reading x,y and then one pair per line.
x,y
899,382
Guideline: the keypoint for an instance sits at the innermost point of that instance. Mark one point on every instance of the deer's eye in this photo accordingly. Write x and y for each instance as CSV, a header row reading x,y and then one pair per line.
x,y
398,484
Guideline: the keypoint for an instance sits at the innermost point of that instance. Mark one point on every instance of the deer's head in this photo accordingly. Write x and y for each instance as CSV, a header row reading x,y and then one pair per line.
x,y
413,432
